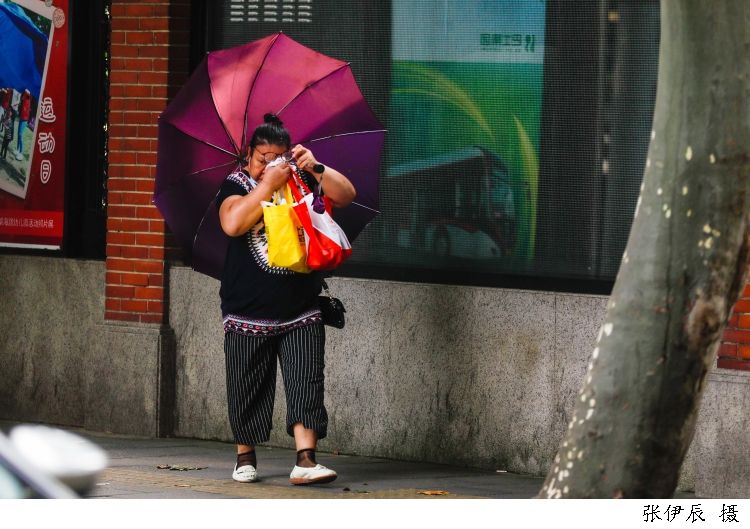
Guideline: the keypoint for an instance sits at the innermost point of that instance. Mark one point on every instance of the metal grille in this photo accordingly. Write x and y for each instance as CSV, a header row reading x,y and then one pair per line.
x,y
271,11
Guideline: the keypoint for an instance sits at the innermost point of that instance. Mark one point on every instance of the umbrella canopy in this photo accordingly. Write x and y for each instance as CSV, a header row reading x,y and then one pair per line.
x,y
205,131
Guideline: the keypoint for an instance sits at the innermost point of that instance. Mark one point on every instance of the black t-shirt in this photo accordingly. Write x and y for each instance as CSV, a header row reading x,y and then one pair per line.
x,y
249,286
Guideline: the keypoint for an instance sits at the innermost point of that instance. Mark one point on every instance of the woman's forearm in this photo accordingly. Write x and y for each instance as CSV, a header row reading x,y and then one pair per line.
x,y
238,214
336,187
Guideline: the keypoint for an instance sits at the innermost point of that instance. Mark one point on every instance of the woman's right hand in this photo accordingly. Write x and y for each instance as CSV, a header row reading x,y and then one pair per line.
x,y
276,176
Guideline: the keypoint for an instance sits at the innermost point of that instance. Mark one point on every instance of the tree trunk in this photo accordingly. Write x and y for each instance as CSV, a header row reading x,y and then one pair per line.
x,y
685,264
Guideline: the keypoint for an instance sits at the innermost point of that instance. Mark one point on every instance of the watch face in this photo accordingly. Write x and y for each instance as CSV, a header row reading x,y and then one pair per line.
x,y
319,168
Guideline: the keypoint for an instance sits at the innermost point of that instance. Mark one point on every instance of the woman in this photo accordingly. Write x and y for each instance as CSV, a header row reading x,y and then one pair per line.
x,y
24,113
6,131
270,312
5,100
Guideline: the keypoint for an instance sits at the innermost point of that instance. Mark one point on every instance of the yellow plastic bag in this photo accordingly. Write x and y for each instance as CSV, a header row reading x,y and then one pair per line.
x,y
285,235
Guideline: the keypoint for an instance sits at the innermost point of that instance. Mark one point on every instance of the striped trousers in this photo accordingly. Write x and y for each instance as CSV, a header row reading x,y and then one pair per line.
x,y
251,381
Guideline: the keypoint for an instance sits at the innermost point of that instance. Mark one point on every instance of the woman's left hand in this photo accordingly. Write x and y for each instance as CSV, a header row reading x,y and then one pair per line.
x,y
337,187
305,158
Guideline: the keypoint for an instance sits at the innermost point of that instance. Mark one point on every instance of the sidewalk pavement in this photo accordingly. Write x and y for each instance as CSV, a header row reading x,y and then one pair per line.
x,y
134,472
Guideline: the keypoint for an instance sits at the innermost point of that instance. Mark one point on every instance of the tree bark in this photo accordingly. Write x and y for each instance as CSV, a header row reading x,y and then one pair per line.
x,y
685,264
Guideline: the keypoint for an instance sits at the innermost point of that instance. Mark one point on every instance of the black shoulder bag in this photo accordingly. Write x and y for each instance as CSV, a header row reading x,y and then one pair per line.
x,y
331,308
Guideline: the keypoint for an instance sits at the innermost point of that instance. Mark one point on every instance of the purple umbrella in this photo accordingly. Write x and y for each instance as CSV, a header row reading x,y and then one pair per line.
x,y
204,134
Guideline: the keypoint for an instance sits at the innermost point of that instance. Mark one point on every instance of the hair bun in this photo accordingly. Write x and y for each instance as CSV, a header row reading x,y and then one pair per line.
x,y
272,118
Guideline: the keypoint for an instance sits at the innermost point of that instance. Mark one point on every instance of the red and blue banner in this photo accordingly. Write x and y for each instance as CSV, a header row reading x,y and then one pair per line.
x,y
33,118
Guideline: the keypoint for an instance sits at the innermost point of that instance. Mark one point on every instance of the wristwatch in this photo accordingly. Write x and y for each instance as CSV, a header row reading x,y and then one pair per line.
x,y
319,168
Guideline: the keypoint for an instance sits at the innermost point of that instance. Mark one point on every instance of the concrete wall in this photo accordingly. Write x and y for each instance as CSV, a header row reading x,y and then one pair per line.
x,y
476,376
49,311
721,448
61,363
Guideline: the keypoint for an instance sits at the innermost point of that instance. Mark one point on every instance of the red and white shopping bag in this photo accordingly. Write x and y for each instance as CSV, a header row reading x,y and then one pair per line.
x,y
327,244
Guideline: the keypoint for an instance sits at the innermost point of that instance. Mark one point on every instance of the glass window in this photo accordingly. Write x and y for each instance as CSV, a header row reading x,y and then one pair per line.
x,y
517,129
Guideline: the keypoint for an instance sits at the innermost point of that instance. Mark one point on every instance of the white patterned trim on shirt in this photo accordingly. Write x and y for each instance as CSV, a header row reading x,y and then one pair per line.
x,y
258,327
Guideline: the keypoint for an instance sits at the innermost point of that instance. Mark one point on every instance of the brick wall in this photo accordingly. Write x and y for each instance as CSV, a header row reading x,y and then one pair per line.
x,y
149,62
734,352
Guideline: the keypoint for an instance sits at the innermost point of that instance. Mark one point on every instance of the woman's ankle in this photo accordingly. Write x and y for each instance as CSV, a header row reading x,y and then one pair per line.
x,y
247,458
306,458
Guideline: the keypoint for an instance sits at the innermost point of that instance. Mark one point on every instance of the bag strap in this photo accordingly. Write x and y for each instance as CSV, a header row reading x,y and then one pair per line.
x,y
288,193
299,184
295,191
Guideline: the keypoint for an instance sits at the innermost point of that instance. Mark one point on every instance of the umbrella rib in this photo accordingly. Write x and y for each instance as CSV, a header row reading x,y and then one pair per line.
x,y
345,65
205,142
203,219
345,134
252,87
230,153
199,171
366,207
223,125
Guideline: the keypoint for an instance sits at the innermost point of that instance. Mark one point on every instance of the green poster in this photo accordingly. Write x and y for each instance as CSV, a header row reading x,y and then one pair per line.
x,y
463,135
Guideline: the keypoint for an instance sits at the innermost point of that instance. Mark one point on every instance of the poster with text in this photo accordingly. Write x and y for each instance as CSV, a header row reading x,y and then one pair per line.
x,y
33,105
464,122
